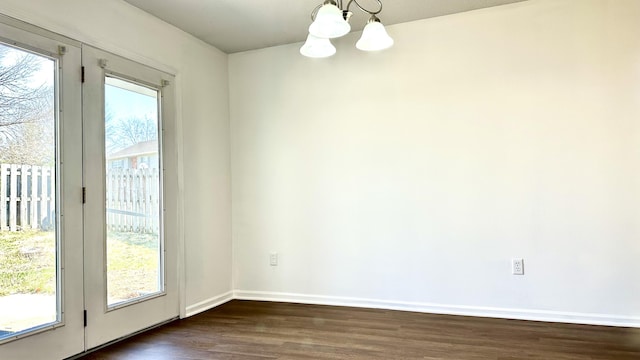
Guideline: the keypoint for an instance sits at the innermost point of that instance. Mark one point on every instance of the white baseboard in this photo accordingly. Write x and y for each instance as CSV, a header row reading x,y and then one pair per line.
x,y
504,313
209,304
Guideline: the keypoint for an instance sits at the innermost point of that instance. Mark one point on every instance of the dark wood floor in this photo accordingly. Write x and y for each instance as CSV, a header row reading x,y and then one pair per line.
x,y
262,330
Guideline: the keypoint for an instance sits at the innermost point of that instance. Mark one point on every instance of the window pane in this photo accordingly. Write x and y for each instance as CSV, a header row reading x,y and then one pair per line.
x,y
133,216
29,284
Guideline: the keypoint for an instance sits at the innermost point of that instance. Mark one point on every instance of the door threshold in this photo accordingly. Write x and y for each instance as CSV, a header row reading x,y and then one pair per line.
x,y
80,355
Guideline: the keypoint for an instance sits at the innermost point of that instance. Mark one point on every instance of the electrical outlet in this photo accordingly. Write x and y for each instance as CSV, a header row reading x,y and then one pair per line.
x,y
273,259
517,266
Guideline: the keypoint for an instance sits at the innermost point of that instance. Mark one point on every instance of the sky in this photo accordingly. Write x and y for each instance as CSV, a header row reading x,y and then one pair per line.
x,y
123,104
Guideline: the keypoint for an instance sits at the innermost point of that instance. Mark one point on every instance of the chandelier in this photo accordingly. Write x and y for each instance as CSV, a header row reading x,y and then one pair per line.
x,y
331,21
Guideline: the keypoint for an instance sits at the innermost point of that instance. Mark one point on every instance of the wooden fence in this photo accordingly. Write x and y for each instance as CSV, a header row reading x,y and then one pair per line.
x,y
27,199
133,200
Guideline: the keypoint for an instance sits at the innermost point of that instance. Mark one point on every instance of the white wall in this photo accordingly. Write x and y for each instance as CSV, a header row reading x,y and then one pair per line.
x,y
203,118
409,178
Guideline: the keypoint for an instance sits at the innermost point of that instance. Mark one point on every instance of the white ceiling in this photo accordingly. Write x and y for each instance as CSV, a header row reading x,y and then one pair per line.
x,y
239,25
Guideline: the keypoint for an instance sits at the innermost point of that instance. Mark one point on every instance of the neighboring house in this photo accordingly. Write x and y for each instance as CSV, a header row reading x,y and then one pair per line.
x,y
138,156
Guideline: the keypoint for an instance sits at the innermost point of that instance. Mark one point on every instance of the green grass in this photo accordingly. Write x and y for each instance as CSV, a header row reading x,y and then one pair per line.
x,y
132,265
28,264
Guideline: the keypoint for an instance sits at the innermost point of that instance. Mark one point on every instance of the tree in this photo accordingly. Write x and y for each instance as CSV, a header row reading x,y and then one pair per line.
x,y
121,133
26,109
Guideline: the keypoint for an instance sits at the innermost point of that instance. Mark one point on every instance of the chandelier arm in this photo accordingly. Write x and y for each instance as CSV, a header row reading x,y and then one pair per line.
x,y
315,12
365,10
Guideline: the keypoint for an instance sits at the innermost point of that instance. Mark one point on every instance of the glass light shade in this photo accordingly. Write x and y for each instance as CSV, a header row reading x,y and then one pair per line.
x,y
329,23
374,37
316,47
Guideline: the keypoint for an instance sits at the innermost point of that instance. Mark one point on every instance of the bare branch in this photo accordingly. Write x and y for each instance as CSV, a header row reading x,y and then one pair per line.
x,y
26,109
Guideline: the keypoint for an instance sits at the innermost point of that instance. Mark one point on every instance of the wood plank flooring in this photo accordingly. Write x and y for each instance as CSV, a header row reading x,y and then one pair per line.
x,y
264,330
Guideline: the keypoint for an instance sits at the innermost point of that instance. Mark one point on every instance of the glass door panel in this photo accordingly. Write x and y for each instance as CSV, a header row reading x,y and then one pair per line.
x,y
133,197
29,236
130,211
41,222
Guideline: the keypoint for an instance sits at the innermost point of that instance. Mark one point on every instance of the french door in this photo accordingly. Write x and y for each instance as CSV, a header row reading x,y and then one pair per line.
x,y
88,250
41,277
130,219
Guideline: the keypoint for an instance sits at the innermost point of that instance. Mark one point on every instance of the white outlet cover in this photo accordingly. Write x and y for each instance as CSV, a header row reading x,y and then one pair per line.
x,y
273,259
517,266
